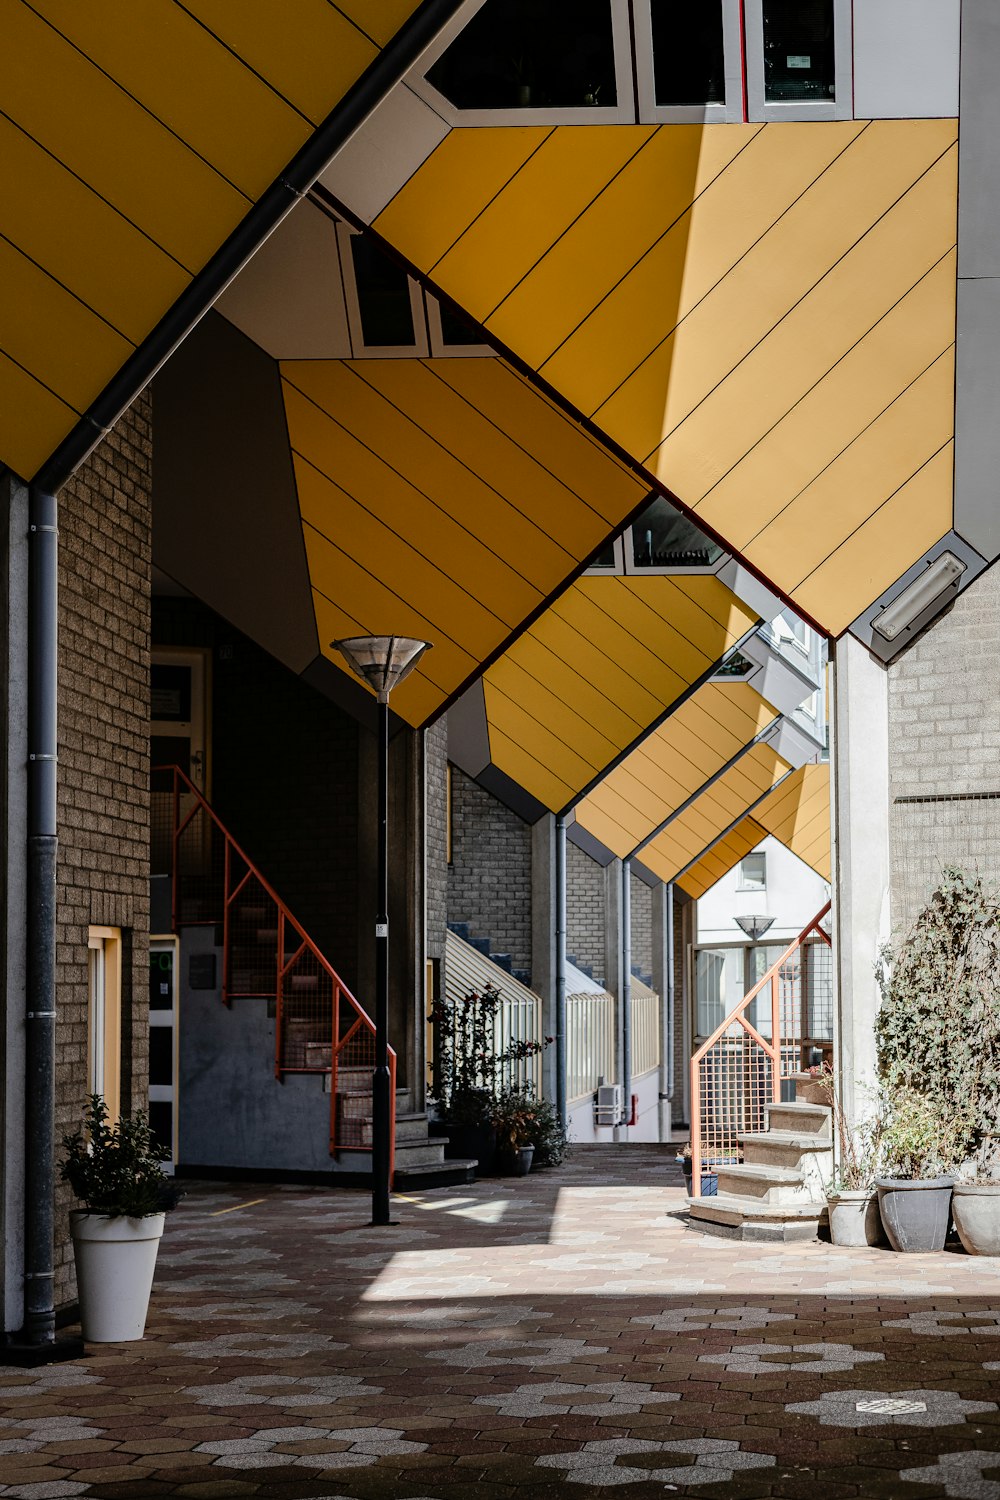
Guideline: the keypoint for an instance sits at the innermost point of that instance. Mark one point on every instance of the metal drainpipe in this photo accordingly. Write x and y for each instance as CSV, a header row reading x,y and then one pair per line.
x,y
668,1005
40,1050
626,991
561,969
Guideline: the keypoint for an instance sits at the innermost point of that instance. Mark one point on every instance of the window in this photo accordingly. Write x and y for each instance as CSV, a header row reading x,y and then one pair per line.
x,y
688,60
564,59
798,59
388,314
753,872
719,985
662,540
104,1029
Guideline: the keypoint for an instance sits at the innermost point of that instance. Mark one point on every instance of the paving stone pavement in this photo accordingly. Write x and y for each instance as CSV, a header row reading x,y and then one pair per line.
x,y
565,1333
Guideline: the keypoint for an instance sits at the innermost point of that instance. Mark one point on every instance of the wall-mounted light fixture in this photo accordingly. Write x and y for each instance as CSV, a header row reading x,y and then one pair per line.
x,y
940,575
755,927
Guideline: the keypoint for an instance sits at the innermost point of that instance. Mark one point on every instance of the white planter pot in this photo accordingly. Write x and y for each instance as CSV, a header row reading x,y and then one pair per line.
x,y
115,1260
855,1219
976,1211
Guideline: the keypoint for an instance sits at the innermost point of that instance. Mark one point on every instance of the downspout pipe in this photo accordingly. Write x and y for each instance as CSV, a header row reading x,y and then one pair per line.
x,y
40,1034
671,993
626,991
560,1018
265,215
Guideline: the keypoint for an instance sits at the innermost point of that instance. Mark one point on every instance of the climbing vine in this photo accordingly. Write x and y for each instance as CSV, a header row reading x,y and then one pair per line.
x,y
938,1030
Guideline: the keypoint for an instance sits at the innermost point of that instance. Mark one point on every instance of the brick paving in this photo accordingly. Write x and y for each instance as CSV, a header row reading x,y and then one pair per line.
x,y
564,1333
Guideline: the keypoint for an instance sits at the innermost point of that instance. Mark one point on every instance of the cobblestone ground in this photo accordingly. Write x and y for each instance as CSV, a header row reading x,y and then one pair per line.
x,y
562,1333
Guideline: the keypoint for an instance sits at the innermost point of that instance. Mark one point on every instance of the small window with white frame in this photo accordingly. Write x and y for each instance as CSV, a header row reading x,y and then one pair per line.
x,y
689,65
104,1020
753,872
661,540
798,59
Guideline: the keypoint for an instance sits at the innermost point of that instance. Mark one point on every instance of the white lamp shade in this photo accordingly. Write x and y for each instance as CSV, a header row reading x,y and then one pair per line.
x,y
381,660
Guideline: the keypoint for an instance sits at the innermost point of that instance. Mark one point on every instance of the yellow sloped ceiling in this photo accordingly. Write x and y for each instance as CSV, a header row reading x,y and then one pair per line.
x,y
713,727
603,663
762,315
444,499
721,858
134,139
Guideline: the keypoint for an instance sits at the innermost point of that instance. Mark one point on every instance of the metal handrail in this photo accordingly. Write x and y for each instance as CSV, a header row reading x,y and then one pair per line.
x,y
772,1049
231,890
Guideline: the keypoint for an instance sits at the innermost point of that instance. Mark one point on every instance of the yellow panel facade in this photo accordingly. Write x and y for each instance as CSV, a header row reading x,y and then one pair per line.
x,y
798,813
734,794
744,309
722,858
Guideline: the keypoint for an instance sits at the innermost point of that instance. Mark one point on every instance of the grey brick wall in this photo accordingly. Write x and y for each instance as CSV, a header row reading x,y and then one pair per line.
x,y
436,835
585,924
489,882
103,869
944,736
642,926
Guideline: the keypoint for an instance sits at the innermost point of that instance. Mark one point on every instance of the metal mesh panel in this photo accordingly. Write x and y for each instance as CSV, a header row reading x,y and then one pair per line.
x,y
735,1087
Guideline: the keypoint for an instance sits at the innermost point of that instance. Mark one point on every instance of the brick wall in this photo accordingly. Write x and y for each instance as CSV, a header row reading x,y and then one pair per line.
x,y
585,925
489,882
944,733
103,868
642,926
436,835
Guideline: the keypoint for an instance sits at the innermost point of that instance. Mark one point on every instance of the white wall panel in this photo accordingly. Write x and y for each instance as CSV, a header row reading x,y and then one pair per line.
x,y
906,59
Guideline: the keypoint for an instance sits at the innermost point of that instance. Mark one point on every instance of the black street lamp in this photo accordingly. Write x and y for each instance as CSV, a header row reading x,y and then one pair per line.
x,y
382,661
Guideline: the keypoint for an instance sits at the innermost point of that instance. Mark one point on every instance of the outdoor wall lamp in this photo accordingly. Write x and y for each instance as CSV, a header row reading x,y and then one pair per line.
x,y
382,661
943,573
754,927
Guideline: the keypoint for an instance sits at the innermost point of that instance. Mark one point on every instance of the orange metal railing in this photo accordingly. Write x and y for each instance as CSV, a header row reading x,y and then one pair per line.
x,y
738,1070
266,954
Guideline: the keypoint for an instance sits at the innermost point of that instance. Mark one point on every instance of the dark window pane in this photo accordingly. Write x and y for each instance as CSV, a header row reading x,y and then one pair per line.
x,y
160,986
688,55
170,693
606,557
524,54
383,296
170,750
664,538
161,1120
161,1054
798,50
455,330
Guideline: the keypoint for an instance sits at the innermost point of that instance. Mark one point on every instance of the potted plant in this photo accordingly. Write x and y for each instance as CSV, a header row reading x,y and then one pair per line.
x,y
515,1134
938,1033
115,1172
852,1199
921,1144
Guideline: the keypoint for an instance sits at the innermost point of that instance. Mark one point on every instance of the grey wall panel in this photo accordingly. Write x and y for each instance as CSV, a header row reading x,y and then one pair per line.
x,y
906,59
977,430
979,159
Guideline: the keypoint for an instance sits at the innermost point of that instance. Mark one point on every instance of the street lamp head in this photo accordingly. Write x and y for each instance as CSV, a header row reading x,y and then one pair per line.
x,y
754,927
381,660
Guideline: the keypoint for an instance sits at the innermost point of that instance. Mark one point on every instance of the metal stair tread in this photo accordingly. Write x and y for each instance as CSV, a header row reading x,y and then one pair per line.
x,y
757,1172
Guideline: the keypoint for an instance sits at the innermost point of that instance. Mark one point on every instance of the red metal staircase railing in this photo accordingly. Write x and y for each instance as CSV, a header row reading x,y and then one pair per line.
x,y
266,954
736,1072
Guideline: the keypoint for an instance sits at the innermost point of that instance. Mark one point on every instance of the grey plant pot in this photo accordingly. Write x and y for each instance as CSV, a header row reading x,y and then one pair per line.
x,y
915,1212
855,1218
976,1210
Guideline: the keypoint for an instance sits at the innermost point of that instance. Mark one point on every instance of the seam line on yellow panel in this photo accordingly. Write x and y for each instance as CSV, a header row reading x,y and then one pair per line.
x,y
799,302
575,669
498,735
567,665
739,260
410,546
481,479
574,433
39,382
410,485
352,22
650,248
663,617
815,386
545,728
491,201
40,145
68,290
563,708
574,221
137,102
861,525
605,617
248,66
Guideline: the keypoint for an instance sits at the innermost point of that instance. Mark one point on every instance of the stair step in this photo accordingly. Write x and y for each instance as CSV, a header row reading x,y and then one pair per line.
x,y
418,1153
772,1184
411,1127
773,1176
448,1174
787,1140
793,1115
737,1217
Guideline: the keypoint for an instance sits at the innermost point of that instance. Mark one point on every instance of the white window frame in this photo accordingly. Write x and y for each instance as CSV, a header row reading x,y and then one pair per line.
x,y
622,113
840,108
745,884
624,567
420,347
731,111
104,1016
439,349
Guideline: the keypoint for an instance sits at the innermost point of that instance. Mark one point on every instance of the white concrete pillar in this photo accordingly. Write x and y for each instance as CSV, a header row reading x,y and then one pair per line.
x,y
860,816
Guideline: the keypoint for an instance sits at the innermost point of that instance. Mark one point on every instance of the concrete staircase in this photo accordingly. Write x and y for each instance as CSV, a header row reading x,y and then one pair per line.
x,y
419,1157
778,1192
